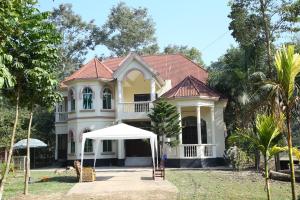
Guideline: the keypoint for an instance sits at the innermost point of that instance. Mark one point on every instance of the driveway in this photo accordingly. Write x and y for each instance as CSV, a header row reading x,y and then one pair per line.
x,y
125,183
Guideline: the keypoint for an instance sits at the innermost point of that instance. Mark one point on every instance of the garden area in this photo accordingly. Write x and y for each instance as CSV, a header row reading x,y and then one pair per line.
x,y
191,184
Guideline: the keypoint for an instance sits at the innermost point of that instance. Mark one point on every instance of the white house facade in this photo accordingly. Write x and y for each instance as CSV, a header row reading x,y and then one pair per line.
x,y
103,93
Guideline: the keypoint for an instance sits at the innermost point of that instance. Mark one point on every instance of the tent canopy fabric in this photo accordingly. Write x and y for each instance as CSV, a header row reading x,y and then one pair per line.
x,y
33,143
119,132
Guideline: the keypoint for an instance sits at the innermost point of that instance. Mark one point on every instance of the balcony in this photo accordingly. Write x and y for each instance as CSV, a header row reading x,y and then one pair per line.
x,y
197,150
134,110
61,117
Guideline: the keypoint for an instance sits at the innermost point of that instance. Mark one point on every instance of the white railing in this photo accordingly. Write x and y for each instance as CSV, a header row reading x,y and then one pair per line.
x,y
61,116
136,107
198,150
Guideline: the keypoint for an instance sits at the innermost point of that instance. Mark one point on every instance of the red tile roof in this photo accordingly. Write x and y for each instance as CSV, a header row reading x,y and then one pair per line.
x,y
174,67
93,69
191,87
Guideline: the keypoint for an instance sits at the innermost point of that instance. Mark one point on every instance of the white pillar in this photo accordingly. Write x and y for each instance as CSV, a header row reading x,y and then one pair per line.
x,y
180,124
56,146
212,113
121,152
152,92
120,91
199,125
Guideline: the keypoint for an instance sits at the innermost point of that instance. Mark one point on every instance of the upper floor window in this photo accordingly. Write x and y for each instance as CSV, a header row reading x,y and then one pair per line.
x,y
87,95
72,100
107,96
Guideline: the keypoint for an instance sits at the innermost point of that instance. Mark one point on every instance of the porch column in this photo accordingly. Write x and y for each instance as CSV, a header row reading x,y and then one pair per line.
x,y
56,146
199,125
180,124
214,148
120,91
121,153
152,89
212,113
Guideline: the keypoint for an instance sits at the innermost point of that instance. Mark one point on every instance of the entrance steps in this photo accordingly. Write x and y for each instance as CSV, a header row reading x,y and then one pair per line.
x,y
138,161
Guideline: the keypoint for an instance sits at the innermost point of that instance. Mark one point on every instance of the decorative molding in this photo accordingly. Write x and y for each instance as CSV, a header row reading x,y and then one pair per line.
x,y
87,110
94,117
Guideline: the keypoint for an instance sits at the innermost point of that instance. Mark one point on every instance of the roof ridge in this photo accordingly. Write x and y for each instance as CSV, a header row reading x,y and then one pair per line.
x,y
107,68
96,67
181,54
193,83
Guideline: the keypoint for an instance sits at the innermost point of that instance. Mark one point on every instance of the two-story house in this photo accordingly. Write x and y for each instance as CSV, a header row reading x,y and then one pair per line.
x,y
102,93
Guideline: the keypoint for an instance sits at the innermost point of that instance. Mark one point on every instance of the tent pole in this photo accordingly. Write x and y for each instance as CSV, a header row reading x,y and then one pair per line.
x,y
82,154
96,153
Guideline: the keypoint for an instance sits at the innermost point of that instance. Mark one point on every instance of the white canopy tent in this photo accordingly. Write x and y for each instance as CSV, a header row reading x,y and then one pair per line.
x,y
119,132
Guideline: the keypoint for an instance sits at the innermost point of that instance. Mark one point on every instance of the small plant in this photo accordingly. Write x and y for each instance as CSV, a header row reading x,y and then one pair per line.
x,y
3,167
237,158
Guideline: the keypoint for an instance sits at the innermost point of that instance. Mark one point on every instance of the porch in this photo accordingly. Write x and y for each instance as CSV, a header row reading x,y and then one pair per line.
x,y
197,139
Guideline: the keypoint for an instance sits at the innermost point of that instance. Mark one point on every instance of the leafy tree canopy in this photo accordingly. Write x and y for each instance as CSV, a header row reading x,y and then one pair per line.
x,y
77,38
130,29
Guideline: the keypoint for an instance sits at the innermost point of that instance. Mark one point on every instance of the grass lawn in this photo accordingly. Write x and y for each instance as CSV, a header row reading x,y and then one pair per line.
x,y
192,184
55,184
205,184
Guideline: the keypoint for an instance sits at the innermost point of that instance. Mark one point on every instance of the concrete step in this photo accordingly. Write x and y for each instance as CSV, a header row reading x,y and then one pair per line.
x,y
138,161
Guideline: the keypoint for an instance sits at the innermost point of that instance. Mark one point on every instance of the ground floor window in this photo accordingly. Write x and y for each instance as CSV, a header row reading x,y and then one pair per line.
x,y
88,147
107,146
72,146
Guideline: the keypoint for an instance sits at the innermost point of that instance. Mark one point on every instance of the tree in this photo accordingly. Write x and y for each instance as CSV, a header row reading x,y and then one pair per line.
x,y
192,53
28,37
41,90
78,37
287,65
256,22
165,124
266,140
129,29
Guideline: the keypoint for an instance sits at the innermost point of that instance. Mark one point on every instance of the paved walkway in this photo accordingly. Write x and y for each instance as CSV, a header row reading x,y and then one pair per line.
x,y
126,183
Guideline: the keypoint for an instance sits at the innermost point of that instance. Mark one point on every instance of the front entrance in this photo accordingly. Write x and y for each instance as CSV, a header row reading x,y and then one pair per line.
x,y
138,148
62,146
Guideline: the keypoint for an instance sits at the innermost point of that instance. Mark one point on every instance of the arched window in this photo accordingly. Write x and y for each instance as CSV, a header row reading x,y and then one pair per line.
x,y
107,96
72,100
72,141
88,147
87,96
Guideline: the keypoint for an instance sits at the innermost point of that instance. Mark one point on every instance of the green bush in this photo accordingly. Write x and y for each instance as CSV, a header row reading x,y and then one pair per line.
x,y
238,158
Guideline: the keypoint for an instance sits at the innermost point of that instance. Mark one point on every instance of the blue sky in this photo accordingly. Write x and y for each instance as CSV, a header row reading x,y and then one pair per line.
x,y
202,24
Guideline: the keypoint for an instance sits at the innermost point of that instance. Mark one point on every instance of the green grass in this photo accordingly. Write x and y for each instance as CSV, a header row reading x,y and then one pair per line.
x,y
196,184
55,184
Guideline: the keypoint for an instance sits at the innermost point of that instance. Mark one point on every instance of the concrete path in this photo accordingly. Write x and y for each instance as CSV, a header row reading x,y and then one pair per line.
x,y
126,183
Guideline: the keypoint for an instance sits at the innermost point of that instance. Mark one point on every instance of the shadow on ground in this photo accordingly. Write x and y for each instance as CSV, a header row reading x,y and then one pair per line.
x,y
60,179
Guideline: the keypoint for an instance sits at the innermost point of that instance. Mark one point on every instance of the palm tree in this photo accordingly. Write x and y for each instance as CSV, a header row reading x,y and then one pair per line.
x,y
287,65
265,140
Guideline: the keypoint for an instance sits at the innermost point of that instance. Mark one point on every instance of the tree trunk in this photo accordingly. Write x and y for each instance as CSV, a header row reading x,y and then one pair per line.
x,y
290,148
27,170
12,141
267,178
282,176
263,9
257,161
277,162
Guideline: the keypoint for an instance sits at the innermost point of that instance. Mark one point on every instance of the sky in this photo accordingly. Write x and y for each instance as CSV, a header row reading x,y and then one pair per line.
x,y
196,23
